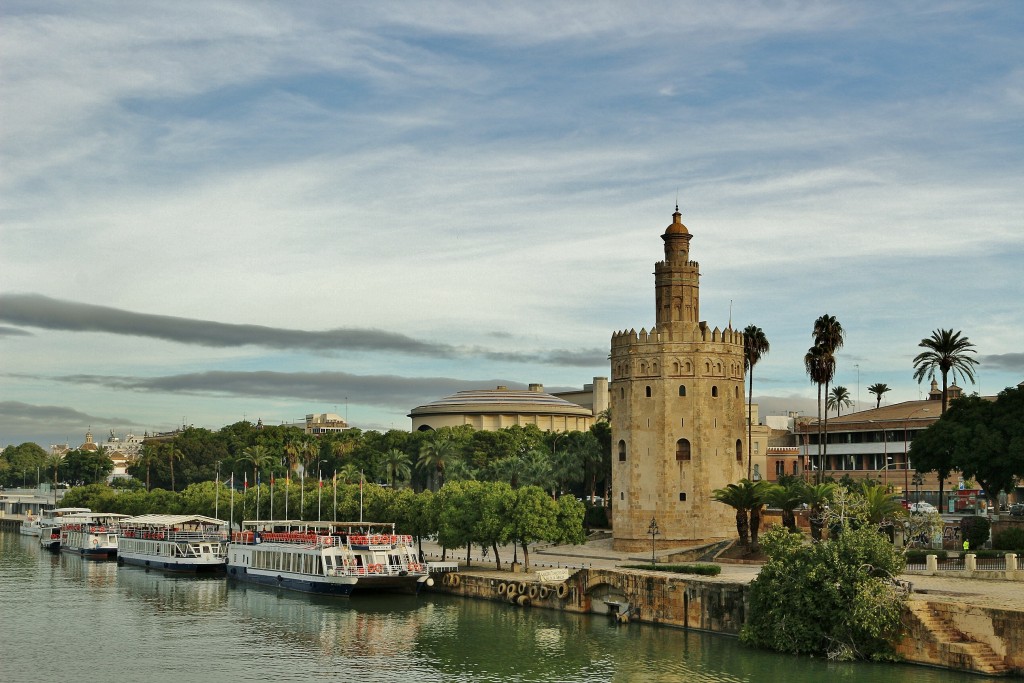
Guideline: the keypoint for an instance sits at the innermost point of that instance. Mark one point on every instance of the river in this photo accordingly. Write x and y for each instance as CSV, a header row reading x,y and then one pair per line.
x,y
63,618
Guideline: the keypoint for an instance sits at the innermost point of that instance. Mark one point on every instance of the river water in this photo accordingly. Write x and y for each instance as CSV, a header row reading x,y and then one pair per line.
x,y
63,618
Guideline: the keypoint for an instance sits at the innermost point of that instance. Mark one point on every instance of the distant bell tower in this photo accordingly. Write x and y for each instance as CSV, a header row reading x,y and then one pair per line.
x,y
677,413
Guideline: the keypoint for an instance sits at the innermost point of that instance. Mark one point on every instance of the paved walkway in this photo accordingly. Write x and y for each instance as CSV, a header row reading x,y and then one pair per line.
x,y
600,554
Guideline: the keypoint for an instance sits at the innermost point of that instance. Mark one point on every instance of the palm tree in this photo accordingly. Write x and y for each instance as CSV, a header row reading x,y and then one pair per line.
x,y
947,351
755,345
838,398
880,506
816,366
54,460
878,389
829,335
147,457
173,454
816,497
260,458
398,464
435,452
787,495
747,498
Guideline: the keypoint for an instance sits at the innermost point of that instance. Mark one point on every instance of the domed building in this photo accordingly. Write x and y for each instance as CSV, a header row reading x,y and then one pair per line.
x,y
494,409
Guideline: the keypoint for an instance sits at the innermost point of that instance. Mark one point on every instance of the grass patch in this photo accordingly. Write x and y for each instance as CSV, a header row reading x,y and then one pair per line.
x,y
699,569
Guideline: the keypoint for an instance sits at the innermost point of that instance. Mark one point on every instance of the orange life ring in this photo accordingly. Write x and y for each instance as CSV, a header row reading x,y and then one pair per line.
x,y
376,568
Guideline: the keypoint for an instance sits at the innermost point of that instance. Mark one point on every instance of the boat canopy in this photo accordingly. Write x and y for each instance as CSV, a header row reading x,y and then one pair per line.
x,y
171,520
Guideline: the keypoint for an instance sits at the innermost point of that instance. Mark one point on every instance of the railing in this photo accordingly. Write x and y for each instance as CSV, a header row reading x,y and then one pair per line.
x,y
952,564
378,570
991,564
175,535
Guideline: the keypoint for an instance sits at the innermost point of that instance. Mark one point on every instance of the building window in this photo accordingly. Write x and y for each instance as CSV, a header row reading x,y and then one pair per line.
x,y
648,392
682,497
796,468
682,450
682,422
714,392
682,390
757,447
622,451
739,449
780,468
622,495
622,392
737,392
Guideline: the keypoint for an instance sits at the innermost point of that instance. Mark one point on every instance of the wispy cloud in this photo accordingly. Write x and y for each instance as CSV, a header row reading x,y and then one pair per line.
x,y
1011,362
34,310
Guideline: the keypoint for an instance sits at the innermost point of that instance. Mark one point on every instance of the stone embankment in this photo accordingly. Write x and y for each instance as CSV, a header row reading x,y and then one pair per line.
x,y
957,623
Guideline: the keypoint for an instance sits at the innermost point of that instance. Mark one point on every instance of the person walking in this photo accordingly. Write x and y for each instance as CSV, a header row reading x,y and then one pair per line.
x,y
967,545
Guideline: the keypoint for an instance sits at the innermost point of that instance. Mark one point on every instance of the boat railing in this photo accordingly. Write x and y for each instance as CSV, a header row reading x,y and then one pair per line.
x,y
175,535
90,528
378,570
379,540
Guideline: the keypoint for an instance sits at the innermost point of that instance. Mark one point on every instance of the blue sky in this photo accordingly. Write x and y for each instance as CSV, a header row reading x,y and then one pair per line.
x,y
218,210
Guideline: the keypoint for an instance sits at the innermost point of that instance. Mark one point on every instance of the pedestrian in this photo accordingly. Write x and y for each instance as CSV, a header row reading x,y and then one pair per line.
x,y
967,545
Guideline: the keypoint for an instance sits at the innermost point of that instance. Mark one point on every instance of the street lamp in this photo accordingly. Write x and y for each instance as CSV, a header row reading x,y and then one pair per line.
x,y
653,531
216,500
906,457
319,487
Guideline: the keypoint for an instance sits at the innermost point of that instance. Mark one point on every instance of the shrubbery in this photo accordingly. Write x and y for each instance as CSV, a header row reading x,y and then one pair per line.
x,y
837,597
596,517
1009,539
975,530
920,555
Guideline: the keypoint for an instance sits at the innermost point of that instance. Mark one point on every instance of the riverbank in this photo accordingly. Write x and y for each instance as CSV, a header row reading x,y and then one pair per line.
x,y
963,624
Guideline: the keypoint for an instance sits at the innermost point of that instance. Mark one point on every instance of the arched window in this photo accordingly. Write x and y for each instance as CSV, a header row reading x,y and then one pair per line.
x,y
622,451
682,450
737,392
675,367
739,450
648,392
714,392
682,390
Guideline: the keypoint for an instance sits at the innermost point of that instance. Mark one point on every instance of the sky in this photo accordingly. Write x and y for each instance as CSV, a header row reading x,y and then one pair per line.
x,y
215,211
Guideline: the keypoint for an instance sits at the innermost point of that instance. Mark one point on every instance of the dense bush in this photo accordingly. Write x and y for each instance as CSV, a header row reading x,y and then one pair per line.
x,y
975,530
836,598
596,517
1009,539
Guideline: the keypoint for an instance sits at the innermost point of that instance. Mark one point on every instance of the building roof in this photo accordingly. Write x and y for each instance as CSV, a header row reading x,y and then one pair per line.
x,y
502,400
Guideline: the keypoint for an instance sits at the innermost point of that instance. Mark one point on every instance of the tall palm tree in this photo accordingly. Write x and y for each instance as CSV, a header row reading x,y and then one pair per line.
x,y
398,464
946,351
829,334
148,457
787,496
755,345
815,363
837,399
878,389
435,452
172,454
55,460
259,456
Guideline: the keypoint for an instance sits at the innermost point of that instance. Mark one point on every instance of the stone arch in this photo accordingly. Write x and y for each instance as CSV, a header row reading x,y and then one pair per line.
x,y
682,390
622,451
683,450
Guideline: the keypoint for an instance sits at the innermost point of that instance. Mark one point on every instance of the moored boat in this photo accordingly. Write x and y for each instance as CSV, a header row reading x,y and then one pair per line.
x,y
92,535
180,543
49,525
331,558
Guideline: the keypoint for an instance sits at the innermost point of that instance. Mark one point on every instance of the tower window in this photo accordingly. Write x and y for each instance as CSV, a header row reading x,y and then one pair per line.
x,y
682,390
622,392
682,450
714,392
622,451
682,496
739,450
648,392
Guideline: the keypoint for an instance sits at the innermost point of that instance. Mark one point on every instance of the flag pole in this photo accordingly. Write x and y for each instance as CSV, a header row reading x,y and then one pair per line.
x,y
360,496
335,495
232,524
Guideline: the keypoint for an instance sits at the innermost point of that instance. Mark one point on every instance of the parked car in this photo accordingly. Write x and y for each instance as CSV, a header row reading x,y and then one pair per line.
x,y
922,508
1017,510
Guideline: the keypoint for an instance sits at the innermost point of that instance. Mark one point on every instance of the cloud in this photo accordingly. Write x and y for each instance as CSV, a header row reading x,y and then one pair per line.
x,y
20,418
389,391
1011,362
35,310
13,332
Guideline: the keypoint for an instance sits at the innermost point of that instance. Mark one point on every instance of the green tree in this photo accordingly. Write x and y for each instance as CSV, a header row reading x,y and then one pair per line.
x,y
86,467
878,389
172,453
53,462
755,346
787,495
533,517
837,399
435,452
836,598
946,351
148,456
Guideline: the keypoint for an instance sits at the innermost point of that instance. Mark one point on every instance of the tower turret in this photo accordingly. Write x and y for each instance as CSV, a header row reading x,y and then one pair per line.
x,y
677,278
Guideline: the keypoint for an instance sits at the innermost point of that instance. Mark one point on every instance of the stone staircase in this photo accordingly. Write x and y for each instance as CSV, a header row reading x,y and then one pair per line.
x,y
948,646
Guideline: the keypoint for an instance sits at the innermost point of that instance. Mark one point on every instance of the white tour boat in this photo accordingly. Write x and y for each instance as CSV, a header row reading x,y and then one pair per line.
x,y
92,535
181,543
331,558
49,525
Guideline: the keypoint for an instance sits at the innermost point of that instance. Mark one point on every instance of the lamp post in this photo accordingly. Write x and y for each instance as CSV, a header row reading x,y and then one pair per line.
x,y
906,458
319,487
653,531
216,489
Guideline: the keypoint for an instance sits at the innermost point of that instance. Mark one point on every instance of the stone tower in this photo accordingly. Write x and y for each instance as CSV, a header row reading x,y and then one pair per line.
x,y
677,414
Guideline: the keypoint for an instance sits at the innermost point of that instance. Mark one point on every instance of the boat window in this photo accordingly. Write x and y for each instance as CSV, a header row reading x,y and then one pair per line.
x,y
328,562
